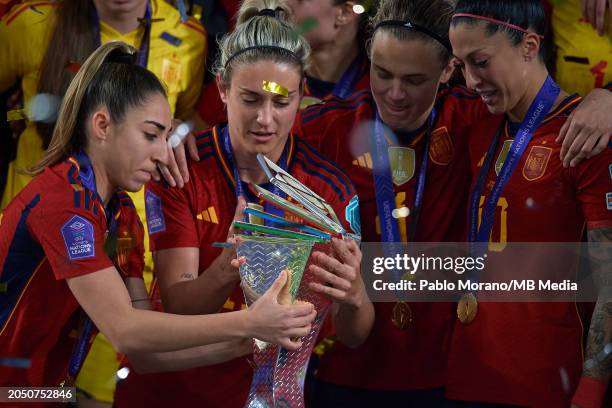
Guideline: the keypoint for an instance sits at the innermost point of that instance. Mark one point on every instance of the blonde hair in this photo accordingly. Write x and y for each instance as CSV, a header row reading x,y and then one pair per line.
x,y
109,77
261,37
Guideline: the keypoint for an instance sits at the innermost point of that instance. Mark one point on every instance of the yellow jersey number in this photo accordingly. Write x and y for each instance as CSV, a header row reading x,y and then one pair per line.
x,y
402,222
498,243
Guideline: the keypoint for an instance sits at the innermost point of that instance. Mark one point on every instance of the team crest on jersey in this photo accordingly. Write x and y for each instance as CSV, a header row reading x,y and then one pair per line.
x,y
171,71
402,162
125,244
155,216
536,162
499,163
609,201
441,147
351,213
78,237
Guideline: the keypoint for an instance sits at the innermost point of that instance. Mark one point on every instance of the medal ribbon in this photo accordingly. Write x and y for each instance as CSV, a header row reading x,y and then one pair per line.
x,y
143,51
385,192
383,181
88,179
240,191
538,110
345,86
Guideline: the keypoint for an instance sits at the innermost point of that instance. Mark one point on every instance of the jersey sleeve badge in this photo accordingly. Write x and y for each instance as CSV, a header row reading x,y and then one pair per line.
x,y
78,234
155,214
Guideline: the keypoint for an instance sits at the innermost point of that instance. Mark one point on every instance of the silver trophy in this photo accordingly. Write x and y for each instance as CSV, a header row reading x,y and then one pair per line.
x,y
270,245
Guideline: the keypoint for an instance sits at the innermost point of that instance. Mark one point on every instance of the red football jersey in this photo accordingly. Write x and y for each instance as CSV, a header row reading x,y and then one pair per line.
x,y
196,216
53,230
530,353
391,358
212,110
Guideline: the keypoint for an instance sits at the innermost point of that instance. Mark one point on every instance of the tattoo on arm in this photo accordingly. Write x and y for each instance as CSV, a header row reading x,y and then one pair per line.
x,y
187,276
598,363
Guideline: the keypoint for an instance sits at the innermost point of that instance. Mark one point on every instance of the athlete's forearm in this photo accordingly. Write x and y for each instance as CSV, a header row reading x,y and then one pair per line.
x,y
598,363
202,295
353,324
144,331
190,358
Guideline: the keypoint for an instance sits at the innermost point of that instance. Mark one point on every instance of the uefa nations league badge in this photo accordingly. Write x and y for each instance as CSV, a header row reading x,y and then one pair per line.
x,y
78,237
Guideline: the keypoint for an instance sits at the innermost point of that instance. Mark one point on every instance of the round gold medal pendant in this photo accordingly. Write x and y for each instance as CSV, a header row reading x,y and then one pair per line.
x,y
467,308
402,315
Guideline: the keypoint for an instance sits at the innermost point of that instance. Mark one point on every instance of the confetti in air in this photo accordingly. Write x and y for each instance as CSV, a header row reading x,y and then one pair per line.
x,y
565,382
123,373
358,9
40,108
15,362
401,212
43,108
306,26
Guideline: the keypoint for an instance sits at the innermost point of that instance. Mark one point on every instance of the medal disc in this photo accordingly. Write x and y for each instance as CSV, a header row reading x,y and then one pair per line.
x,y
467,307
402,315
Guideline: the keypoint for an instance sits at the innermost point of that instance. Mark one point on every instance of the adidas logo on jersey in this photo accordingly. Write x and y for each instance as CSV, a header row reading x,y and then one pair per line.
x,y
208,215
364,160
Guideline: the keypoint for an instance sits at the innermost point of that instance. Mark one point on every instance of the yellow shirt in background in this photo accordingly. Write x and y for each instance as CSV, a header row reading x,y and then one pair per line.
x,y
584,59
25,33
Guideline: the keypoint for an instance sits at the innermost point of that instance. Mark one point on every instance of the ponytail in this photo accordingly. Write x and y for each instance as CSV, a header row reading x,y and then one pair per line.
x,y
109,77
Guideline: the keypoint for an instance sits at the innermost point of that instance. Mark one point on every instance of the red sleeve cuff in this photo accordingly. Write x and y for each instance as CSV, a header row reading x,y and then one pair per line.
x,y
590,393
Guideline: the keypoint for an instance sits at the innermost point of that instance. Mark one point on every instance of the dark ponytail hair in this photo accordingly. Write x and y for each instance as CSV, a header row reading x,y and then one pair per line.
x,y
527,14
433,15
72,41
110,77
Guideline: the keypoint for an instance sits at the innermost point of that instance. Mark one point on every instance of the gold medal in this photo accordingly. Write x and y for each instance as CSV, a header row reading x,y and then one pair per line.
x,y
467,307
402,315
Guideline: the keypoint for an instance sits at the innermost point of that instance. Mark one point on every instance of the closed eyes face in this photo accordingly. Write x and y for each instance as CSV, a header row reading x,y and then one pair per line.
x,y
492,66
138,143
260,120
405,88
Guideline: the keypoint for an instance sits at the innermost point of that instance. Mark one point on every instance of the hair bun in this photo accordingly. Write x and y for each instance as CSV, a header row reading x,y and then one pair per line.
x,y
267,12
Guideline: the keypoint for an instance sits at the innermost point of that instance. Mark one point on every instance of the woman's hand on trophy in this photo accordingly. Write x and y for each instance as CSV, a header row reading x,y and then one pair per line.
x,y
237,348
273,322
339,274
226,264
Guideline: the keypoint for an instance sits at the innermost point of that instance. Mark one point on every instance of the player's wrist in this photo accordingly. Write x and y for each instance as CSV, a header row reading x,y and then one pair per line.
x,y
246,327
590,393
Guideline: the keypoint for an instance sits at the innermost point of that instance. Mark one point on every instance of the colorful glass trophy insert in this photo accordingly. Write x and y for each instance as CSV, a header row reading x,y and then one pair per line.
x,y
280,236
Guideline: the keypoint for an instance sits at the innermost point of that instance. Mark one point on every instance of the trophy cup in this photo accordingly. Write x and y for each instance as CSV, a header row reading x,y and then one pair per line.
x,y
267,258
278,378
